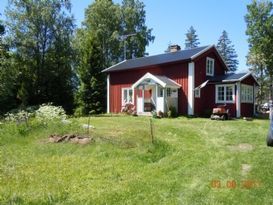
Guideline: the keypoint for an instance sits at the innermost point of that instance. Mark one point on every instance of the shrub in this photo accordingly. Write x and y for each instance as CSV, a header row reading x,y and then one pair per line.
x,y
19,117
172,112
48,112
129,109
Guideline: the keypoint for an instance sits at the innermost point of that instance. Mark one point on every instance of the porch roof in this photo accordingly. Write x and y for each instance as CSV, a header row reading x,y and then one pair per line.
x,y
159,79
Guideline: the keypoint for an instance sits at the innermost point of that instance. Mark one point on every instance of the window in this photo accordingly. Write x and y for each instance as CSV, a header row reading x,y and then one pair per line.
x,y
197,93
224,93
169,92
246,93
127,96
160,92
210,66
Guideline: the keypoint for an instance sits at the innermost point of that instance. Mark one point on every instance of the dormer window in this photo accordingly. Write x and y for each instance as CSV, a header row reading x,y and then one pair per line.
x,y
210,67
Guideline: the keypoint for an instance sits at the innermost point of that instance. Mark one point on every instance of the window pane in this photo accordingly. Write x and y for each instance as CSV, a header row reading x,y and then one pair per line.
x,y
130,97
221,92
125,99
229,93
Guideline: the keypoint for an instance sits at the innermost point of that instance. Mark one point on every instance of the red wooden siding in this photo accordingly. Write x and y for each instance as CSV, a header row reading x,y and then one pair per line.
x,y
206,101
176,71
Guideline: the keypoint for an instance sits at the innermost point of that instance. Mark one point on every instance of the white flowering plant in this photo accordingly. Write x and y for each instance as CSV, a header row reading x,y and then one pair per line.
x,y
19,117
48,112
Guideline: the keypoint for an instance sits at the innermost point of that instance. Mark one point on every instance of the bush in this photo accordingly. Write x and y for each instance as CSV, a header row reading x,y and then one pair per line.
x,y
48,112
19,117
172,112
129,109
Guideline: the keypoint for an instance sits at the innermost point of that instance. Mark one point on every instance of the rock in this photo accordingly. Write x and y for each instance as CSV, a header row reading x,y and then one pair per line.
x,y
86,126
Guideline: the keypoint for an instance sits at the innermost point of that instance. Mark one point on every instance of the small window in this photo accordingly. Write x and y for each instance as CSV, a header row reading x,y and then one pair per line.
x,y
210,67
246,93
127,96
224,93
197,93
160,92
169,92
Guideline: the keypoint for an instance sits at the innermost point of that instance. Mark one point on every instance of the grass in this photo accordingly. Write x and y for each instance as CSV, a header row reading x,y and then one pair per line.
x,y
193,161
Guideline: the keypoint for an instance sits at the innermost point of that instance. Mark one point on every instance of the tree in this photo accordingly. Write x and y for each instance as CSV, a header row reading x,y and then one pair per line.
x,y
99,46
259,20
192,40
227,51
40,36
133,22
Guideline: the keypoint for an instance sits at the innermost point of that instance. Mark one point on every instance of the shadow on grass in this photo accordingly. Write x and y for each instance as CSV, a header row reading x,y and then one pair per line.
x,y
155,152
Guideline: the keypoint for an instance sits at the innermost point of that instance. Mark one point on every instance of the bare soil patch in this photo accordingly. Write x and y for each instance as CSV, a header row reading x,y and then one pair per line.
x,y
73,138
245,168
244,147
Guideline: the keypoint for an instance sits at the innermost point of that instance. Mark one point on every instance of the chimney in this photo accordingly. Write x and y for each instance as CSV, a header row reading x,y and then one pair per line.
x,y
174,48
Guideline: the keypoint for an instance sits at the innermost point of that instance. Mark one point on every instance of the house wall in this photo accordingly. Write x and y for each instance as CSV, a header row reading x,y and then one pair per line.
x,y
207,97
209,101
175,71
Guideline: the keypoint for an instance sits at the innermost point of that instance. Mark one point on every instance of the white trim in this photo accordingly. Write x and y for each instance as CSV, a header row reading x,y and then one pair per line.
x,y
106,69
208,59
224,101
122,95
108,93
157,80
238,99
191,88
254,98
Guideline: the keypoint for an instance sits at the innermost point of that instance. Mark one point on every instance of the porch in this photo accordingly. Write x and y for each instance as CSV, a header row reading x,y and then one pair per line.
x,y
155,93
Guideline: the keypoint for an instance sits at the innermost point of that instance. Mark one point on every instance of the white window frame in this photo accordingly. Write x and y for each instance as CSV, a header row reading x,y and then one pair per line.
x,y
122,95
247,93
225,93
210,70
169,92
197,93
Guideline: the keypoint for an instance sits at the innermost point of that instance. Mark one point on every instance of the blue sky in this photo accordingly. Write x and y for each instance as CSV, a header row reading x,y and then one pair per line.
x,y
170,20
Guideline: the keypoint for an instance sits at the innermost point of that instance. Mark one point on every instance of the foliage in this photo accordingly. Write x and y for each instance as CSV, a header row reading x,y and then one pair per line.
x,y
172,112
112,172
49,112
99,46
7,75
40,34
227,51
19,117
133,17
259,20
191,40
129,109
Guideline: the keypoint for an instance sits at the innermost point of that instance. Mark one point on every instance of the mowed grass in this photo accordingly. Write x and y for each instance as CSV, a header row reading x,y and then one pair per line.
x,y
193,161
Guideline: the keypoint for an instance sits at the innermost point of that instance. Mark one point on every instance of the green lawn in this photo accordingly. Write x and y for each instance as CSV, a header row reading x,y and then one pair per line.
x,y
193,161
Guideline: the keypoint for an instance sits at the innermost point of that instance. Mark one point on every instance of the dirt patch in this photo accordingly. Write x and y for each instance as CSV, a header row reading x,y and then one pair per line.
x,y
73,138
241,147
245,169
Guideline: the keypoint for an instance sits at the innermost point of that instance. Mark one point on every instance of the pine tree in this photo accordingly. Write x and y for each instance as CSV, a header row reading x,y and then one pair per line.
x,y
227,51
192,40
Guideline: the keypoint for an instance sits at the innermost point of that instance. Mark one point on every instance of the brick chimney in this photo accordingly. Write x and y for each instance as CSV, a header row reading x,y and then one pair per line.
x,y
174,48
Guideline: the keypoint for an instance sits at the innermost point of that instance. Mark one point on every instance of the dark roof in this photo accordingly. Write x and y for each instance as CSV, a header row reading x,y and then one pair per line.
x,y
158,59
230,77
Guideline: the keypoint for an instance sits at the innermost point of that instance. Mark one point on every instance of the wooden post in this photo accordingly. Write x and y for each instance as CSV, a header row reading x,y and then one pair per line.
x,y
152,129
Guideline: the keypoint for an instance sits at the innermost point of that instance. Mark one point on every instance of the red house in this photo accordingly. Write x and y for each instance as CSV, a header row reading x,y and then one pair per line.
x,y
193,81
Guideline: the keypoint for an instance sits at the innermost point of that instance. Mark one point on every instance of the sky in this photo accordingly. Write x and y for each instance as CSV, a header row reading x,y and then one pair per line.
x,y
170,20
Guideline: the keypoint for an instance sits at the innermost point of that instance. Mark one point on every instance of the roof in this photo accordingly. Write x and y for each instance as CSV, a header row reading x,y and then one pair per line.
x,y
232,77
161,80
181,55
